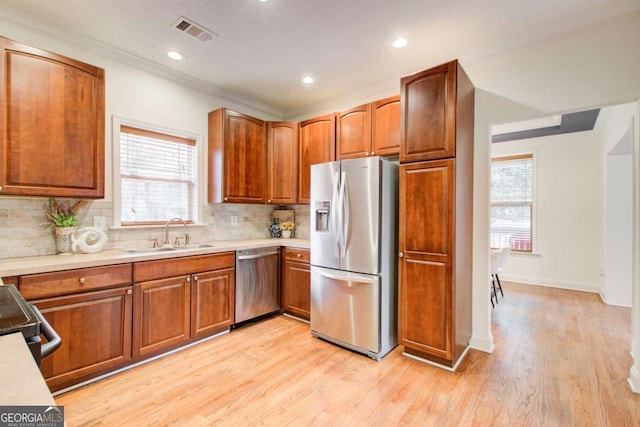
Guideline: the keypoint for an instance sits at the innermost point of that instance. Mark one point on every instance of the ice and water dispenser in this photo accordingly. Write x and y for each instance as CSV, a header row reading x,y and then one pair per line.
x,y
323,211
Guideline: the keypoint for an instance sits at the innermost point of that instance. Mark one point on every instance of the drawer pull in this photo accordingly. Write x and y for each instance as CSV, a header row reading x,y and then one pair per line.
x,y
82,280
299,255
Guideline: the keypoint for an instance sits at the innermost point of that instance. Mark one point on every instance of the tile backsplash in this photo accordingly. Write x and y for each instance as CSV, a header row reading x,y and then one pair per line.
x,y
26,231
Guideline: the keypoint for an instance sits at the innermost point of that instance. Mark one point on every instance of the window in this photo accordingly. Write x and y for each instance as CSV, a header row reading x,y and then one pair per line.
x,y
158,176
512,202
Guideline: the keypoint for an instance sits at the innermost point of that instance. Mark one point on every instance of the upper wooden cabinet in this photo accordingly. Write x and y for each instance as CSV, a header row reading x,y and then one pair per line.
x,y
353,132
52,126
369,130
237,158
316,145
282,163
385,124
429,108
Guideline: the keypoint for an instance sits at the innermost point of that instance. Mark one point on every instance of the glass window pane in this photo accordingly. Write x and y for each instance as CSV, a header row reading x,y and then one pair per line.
x,y
158,177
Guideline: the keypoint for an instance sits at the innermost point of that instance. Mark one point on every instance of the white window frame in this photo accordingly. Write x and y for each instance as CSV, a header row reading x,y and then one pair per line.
x,y
534,203
117,123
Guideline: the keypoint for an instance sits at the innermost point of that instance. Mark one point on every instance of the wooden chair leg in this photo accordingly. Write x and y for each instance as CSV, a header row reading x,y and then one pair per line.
x,y
499,286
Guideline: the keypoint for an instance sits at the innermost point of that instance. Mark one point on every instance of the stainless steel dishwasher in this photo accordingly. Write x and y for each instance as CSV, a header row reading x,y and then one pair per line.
x,y
257,283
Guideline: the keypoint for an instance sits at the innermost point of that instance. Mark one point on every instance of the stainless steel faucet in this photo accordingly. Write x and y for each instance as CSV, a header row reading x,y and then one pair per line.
x,y
166,232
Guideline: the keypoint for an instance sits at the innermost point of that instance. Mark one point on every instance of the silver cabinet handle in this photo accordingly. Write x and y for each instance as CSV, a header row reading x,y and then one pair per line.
x,y
269,201
188,279
82,280
195,278
401,255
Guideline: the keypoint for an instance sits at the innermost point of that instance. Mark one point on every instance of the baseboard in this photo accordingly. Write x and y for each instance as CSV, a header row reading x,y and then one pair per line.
x,y
634,379
484,344
549,283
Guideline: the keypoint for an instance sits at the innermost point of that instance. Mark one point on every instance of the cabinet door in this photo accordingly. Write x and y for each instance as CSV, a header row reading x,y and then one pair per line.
x,y
282,163
385,134
428,104
425,264
296,283
316,145
161,315
212,302
353,132
52,143
95,328
237,158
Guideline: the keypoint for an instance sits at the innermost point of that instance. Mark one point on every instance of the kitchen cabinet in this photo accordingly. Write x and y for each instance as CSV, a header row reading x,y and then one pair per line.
x,y
435,236
53,109
369,130
237,158
316,145
296,283
385,123
93,322
432,120
181,298
353,132
162,315
282,163
212,301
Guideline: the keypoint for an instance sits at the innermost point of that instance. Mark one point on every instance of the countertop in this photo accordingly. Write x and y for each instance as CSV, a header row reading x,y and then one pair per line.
x,y
49,263
20,380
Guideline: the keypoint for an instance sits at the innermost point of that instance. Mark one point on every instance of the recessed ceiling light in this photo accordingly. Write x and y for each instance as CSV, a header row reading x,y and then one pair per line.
x,y
263,0
176,56
399,42
307,80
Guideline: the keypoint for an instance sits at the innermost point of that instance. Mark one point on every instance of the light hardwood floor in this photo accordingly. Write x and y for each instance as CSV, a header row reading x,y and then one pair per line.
x,y
561,359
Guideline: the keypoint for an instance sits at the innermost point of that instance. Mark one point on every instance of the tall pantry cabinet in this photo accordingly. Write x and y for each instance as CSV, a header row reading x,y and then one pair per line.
x,y
436,198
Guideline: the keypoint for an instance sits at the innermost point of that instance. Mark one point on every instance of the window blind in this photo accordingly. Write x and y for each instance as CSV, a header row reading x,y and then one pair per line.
x,y
158,174
512,202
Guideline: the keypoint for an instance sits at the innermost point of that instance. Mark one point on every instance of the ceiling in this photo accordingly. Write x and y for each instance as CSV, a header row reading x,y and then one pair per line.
x,y
262,50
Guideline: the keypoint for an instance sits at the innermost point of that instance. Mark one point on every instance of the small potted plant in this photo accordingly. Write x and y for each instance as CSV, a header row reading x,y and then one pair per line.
x,y
64,220
287,228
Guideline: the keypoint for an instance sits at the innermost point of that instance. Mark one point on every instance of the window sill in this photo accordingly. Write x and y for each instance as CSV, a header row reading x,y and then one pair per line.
x,y
526,254
151,227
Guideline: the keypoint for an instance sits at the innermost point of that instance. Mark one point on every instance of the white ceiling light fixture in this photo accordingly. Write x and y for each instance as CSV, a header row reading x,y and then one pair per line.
x,y
399,43
176,56
543,122
308,80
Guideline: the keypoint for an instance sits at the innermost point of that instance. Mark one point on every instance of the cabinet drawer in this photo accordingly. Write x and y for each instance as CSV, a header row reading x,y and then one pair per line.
x,y
44,285
159,269
297,255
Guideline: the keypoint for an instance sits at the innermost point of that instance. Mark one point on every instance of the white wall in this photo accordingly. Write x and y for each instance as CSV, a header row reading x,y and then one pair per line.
x,y
616,288
567,208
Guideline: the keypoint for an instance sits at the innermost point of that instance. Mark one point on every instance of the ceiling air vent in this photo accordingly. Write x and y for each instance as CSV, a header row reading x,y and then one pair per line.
x,y
194,30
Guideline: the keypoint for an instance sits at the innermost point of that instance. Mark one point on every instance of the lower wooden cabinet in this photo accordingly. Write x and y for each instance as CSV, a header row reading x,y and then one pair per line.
x,y
162,315
178,299
212,302
95,328
296,283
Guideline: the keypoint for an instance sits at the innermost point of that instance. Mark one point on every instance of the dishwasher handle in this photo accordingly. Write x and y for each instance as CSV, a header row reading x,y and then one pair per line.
x,y
261,255
53,339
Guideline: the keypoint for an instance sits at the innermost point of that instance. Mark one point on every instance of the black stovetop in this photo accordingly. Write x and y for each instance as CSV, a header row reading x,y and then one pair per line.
x,y
15,314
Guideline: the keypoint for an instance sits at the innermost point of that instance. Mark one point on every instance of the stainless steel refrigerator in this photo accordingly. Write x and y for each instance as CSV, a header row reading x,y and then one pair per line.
x,y
354,206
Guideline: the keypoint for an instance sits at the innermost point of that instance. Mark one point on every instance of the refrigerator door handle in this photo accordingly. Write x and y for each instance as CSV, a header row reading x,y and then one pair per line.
x,y
346,219
335,220
340,208
347,278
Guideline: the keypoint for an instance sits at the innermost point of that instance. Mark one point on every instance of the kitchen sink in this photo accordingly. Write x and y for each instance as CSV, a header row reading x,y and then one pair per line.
x,y
149,250
197,246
